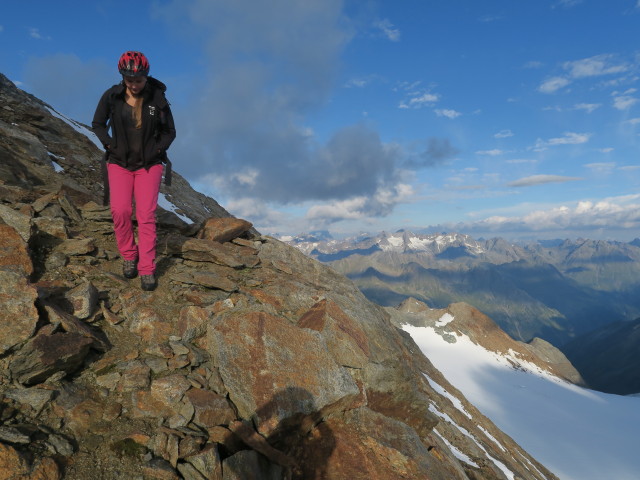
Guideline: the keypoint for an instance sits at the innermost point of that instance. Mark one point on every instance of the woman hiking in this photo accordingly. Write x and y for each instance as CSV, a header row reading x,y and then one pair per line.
x,y
134,123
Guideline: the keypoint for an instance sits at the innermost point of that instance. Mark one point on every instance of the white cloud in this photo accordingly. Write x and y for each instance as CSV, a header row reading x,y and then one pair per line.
x,y
595,66
553,84
605,218
504,134
447,113
360,82
587,107
570,138
493,153
598,65
567,3
490,18
624,102
533,64
388,30
522,160
421,100
35,33
541,180
601,167
356,208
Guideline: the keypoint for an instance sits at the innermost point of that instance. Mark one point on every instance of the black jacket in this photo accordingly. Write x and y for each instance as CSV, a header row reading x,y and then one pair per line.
x,y
158,129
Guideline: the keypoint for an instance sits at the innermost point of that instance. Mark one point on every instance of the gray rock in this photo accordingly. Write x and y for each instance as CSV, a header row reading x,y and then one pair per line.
x,y
36,398
18,314
13,435
46,355
19,221
207,462
77,246
72,324
83,299
55,227
249,464
189,472
69,208
56,260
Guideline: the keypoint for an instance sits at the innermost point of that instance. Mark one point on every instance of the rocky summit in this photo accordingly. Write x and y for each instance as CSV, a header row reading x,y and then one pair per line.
x,y
250,360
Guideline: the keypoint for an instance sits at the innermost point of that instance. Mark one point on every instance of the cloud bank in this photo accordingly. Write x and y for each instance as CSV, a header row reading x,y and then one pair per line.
x,y
612,217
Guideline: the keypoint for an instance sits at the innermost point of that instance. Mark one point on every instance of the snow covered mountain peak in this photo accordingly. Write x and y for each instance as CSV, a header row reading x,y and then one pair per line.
x,y
402,241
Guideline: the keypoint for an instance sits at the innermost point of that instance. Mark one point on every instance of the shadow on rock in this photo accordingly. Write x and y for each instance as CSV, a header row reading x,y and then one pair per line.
x,y
298,446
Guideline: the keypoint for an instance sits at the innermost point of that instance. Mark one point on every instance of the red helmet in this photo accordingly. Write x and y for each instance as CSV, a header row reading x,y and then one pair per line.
x,y
133,64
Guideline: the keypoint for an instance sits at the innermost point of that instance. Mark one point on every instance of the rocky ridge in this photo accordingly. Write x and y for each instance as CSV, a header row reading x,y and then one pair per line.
x,y
250,360
463,319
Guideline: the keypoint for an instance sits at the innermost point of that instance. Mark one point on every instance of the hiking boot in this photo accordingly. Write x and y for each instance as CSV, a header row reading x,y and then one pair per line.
x,y
148,282
130,268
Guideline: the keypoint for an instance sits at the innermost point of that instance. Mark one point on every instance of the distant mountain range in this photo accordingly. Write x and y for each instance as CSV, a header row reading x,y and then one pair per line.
x,y
556,290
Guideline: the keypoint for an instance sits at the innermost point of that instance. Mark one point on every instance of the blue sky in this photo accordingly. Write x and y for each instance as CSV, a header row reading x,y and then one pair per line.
x,y
512,118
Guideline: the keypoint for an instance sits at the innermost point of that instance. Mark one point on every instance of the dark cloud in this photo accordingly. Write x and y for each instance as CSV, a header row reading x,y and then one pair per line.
x,y
437,152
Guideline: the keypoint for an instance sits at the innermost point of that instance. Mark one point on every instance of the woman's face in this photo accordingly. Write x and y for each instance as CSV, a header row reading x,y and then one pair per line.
x,y
135,84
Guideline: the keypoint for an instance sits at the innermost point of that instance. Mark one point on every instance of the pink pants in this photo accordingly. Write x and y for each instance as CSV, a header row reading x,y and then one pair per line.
x,y
143,186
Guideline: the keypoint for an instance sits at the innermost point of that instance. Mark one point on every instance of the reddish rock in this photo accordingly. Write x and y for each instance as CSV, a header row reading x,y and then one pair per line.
x,y
149,324
364,445
12,464
210,409
169,390
192,322
275,371
83,416
159,469
45,469
18,314
13,251
146,405
345,338
223,229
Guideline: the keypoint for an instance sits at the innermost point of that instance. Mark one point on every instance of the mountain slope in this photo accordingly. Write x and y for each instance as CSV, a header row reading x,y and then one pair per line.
x,y
595,435
250,360
609,357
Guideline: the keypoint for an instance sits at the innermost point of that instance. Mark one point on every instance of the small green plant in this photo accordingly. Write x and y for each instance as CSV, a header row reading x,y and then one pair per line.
x,y
127,447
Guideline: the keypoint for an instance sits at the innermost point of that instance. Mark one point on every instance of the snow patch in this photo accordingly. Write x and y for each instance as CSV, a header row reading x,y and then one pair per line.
x,y
599,433
455,401
457,453
78,127
445,319
167,205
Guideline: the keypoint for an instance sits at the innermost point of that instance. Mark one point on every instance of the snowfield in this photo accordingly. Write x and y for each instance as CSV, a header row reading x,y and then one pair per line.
x,y
579,434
